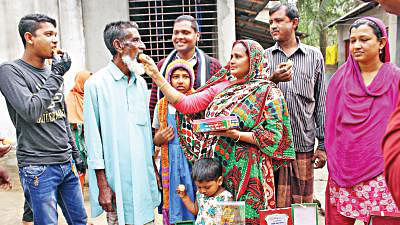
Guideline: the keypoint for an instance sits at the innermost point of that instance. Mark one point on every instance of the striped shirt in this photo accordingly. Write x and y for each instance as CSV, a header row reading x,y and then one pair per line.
x,y
305,94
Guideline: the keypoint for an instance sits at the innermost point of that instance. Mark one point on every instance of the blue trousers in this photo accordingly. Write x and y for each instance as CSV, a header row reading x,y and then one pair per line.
x,y
45,185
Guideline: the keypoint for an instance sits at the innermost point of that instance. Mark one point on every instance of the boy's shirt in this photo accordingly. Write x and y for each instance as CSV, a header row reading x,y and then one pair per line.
x,y
36,105
208,213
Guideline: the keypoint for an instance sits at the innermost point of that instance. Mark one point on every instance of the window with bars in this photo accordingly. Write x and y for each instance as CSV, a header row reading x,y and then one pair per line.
x,y
156,18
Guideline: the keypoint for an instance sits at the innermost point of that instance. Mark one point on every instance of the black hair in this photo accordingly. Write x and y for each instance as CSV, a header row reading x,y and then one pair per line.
x,y
116,30
30,23
291,10
206,169
189,18
376,29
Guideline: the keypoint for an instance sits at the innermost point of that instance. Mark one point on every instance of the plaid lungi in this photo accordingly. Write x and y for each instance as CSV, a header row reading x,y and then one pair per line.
x,y
112,219
295,181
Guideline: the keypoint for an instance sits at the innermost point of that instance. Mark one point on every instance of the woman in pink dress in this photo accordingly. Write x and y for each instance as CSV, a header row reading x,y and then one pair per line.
x,y
361,96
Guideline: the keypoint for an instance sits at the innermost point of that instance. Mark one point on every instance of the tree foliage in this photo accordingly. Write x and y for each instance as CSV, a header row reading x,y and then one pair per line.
x,y
315,15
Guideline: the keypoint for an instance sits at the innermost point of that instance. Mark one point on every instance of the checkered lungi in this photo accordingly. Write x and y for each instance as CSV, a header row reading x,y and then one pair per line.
x,y
295,181
112,219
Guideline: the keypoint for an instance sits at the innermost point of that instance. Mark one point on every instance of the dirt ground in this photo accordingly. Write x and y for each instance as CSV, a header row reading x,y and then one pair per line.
x,y
11,203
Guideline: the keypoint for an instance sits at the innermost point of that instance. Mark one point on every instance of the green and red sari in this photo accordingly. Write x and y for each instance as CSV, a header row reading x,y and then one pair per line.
x,y
262,110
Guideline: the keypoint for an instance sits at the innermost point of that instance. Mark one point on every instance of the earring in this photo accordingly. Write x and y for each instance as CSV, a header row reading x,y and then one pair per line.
x,y
380,51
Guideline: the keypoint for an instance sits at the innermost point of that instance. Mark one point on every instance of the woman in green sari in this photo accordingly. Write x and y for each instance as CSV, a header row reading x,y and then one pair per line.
x,y
264,139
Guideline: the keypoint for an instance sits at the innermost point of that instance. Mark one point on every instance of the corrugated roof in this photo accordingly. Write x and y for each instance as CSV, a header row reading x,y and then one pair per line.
x,y
355,12
246,25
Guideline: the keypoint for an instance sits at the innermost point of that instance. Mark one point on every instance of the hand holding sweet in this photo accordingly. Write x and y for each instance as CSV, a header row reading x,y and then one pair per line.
x,y
149,66
283,73
319,159
5,147
60,64
181,190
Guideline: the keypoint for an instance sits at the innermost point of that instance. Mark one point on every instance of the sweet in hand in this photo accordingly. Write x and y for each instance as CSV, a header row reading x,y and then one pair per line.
x,y
181,190
61,62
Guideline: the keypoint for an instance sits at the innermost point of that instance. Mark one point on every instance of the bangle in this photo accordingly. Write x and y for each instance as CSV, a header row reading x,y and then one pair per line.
x,y
162,85
238,138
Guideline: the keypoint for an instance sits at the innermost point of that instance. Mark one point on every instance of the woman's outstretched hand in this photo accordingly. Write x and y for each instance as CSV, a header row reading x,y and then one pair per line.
x,y
151,69
149,65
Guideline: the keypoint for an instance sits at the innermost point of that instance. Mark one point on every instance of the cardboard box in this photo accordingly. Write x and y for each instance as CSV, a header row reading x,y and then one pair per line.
x,y
280,216
215,124
384,218
305,214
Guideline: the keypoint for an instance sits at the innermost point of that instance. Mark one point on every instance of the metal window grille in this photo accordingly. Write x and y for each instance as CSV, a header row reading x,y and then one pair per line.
x,y
156,18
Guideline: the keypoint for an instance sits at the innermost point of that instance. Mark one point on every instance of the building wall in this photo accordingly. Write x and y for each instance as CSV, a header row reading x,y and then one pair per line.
x,y
226,31
81,24
391,22
69,23
341,44
96,14
393,33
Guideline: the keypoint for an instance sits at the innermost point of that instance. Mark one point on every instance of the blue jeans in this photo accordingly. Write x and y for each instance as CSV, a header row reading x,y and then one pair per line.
x,y
45,185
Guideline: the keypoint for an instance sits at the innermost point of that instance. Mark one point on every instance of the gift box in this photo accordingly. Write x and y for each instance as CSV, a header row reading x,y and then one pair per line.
x,y
215,124
231,213
305,214
280,216
387,218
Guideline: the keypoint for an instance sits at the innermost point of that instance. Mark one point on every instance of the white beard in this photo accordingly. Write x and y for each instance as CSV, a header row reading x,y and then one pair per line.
x,y
133,65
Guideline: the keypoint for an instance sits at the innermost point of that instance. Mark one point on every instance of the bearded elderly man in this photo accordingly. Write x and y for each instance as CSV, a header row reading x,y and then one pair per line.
x,y
118,133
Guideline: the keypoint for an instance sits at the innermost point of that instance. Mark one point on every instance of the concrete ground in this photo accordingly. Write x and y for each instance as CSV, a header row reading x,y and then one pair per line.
x,y
11,203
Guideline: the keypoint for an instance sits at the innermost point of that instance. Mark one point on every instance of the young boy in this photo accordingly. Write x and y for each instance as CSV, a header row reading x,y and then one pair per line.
x,y
174,165
207,175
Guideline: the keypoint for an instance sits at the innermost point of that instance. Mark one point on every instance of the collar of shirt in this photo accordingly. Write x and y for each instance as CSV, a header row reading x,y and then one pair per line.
x,y
192,61
117,74
300,46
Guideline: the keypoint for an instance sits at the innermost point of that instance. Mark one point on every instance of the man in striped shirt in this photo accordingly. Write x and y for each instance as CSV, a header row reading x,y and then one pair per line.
x,y
304,90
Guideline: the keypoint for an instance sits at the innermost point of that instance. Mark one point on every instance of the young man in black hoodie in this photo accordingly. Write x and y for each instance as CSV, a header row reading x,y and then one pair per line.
x,y
46,153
